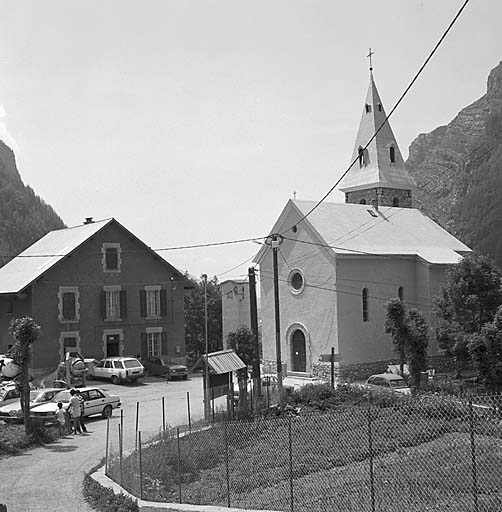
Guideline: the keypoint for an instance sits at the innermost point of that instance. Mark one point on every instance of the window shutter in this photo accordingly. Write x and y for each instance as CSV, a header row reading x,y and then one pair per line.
x,y
103,305
142,303
163,302
144,345
163,343
123,304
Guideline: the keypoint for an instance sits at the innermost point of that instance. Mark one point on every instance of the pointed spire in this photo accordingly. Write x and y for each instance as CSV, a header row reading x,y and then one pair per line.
x,y
381,164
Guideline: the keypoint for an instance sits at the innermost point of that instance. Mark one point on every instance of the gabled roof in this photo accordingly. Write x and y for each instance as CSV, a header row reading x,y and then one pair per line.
x,y
362,230
39,258
378,170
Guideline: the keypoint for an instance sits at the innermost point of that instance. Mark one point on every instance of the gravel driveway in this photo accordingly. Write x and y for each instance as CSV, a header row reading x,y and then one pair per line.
x,y
49,479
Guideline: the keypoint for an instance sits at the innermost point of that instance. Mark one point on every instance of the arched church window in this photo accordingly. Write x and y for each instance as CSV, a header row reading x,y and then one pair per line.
x,y
360,156
392,154
400,293
365,304
362,201
395,202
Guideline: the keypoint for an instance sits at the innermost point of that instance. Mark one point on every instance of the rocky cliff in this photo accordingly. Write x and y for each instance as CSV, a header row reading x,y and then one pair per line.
x,y
457,169
24,217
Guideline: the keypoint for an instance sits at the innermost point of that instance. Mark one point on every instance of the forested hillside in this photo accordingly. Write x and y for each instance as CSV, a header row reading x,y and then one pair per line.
x,y
24,217
458,169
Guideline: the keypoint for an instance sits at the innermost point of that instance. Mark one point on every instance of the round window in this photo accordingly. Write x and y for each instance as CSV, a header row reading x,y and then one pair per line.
x,y
296,281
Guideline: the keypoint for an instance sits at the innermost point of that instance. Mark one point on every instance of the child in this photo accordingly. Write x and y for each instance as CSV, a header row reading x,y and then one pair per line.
x,y
61,417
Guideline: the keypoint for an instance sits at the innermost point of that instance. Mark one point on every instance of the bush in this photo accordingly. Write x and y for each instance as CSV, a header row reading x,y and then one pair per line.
x,y
105,500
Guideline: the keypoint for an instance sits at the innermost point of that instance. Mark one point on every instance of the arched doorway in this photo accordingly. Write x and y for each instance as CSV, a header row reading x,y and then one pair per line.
x,y
298,351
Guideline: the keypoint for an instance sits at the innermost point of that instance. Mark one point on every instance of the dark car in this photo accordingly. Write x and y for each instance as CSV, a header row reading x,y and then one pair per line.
x,y
155,367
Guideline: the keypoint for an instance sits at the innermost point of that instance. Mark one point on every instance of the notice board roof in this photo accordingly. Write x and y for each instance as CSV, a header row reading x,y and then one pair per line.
x,y
224,361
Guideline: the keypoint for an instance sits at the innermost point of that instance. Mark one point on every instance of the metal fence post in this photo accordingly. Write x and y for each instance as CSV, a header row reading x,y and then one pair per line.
x,y
226,464
188,409
179,463
163,417
107,443
290,464
473,458
370,449
140,467
137,426
121,446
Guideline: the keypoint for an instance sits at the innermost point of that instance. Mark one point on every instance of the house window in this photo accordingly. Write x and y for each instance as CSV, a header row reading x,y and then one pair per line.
x,y
111,257
153,301
365,304
296,281
395,201
153,341
114,303
68,304
392,154
69,341
400,293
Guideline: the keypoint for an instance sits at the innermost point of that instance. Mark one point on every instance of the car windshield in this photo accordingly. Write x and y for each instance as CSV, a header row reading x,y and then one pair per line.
x,y
62,396
132,363
3,391
397,383
37,395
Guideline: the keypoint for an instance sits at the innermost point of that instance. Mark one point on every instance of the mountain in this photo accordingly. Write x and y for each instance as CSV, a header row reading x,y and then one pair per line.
x,y
458,170
24,217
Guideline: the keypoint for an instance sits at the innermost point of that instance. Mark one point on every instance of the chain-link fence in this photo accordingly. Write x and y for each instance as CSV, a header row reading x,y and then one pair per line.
x,y
434,453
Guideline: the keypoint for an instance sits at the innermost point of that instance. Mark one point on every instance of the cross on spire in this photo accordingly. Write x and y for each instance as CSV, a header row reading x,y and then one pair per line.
x,y
370,54
294,194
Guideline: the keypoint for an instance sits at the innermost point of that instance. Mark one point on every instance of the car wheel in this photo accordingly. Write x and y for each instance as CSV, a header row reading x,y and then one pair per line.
x,y
107,411
114,379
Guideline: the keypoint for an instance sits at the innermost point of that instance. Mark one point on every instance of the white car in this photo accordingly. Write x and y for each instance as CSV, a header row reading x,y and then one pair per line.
x,y
12,412
118,369
96,401
9,393
389,381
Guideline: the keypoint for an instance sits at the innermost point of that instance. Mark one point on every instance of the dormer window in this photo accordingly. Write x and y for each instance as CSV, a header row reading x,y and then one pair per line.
x,y
368,108
392,154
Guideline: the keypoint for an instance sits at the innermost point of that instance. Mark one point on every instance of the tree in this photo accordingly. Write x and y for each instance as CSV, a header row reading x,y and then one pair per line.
x,y
469,299
25,331
416,346
245,345
195,319
410,335
485,350
395,325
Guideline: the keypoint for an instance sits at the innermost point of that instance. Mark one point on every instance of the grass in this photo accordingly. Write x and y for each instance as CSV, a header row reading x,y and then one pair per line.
x,y
420,451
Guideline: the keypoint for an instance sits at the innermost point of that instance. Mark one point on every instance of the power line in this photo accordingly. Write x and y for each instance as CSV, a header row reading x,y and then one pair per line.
x,y
410,85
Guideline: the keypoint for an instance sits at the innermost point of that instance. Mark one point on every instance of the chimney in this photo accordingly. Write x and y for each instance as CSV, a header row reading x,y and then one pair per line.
x,y
88,220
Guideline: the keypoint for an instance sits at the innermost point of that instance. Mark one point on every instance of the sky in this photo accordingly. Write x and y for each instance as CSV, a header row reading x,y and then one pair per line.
x,y
194,121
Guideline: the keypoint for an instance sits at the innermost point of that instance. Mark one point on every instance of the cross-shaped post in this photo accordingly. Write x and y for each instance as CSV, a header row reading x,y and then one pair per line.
x,y
370,54
294,194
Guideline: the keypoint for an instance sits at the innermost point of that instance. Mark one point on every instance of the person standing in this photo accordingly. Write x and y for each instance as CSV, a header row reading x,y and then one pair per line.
x,y
61,417
82,407
75,412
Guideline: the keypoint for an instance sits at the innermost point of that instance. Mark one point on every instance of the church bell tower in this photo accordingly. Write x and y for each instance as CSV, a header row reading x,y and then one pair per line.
x,y
379,176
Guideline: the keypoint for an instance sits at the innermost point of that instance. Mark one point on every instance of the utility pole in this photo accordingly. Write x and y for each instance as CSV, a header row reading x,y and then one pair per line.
x,y
276,242
206,373
254,327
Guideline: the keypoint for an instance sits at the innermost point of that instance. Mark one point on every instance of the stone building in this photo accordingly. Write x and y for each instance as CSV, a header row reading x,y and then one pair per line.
x,y
340,263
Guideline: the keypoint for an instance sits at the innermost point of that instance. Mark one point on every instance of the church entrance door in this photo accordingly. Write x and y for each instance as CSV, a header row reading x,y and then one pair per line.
x,y
299,353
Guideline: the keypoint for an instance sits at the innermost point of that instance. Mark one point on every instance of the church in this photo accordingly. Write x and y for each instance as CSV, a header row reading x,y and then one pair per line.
x,y
340,263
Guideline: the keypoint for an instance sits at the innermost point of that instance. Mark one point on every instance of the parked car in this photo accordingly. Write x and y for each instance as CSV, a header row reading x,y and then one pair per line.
x,y
389,381
96,401
177,371
8,393
12,412
155,367
118,369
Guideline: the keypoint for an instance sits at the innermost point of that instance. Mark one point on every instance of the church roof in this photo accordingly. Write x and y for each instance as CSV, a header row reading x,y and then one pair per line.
x,y
357,229
377,169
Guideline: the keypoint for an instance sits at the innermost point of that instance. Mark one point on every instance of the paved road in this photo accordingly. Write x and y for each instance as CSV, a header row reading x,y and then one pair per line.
x,y
49,479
